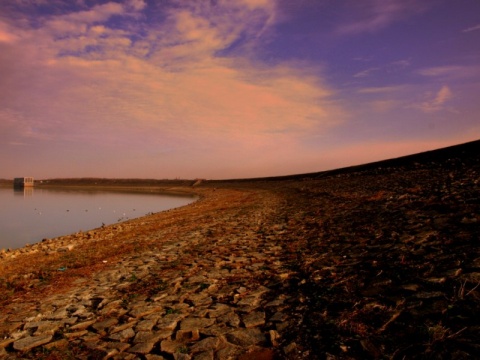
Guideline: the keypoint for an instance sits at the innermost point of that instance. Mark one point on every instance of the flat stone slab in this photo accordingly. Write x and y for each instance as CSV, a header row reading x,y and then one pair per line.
x,y
30,342
246,337
195,323
171,346
256,318
103,326
151,336
206,345
141,348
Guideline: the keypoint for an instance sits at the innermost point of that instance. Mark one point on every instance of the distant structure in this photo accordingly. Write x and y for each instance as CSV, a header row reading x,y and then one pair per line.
x,y
22,182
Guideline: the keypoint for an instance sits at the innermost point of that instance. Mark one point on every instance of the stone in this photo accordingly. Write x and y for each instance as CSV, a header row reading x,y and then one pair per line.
x,y
195,323
249,302
83,325
181,356
142,348
123,336
4,343
76,334
142,311
290,348
122,327
154,357
145,325
218,310
216,330
168,322
274,337
69,321
171,346
246,337
31,342
190,335
206,355
206,345
59,344
7,328
229,351
120,346
230,319
278,317
102,327
148,336
256,318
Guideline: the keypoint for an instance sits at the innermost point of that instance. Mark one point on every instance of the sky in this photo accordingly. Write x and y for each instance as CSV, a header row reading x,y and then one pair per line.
x,y
221,89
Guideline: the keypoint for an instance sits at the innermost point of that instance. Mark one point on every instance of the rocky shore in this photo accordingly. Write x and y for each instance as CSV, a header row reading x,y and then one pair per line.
x,y
379,261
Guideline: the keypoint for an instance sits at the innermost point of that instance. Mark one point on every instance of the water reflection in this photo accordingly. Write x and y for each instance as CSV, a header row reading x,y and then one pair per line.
x,y
29,215
26,191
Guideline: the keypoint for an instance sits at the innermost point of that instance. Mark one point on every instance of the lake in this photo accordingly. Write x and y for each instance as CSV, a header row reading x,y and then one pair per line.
x,y
29,215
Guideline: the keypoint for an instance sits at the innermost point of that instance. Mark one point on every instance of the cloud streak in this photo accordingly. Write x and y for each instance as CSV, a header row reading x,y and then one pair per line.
x,y
471,28
373,15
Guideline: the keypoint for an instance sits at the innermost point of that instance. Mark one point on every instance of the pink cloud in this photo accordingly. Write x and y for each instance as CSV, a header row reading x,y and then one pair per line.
x,y
437,101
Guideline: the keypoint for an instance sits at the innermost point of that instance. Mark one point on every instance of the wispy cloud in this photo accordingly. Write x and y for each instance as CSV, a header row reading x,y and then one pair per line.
x,y
392,67
471,28
374,15
366,73
451,71
381,90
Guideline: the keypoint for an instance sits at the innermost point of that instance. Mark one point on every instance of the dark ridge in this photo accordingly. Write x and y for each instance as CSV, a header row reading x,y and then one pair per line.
x,y
465,153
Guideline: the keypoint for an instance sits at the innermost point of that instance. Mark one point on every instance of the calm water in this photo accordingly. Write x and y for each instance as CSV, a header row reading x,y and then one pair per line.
x,y
30,215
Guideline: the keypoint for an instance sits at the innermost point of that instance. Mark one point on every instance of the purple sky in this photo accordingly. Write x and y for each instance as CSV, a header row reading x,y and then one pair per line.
x,y
232,88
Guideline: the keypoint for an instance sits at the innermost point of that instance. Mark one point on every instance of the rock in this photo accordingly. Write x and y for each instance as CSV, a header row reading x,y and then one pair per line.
x,y
229,351
102,327
123,336
142,348
83,325
171,346
31,342
274,337
145,325
246,337
144,310
195,323
190,335
59,344
154,357
230,319
152,337
76,334
209,344
256,318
